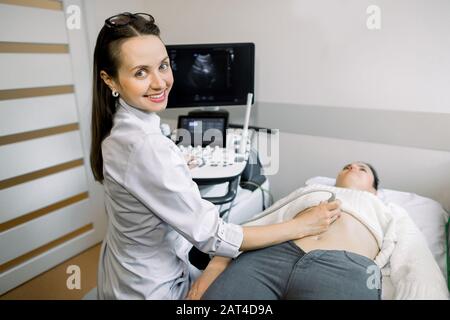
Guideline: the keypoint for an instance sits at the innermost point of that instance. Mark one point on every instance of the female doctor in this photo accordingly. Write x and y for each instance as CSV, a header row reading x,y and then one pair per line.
x,y
155,211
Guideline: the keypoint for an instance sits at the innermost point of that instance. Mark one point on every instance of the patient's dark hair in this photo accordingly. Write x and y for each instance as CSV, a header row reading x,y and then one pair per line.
x,y
376,180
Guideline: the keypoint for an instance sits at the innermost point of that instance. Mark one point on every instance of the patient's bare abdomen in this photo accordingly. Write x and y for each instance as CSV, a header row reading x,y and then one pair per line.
x,y
347,233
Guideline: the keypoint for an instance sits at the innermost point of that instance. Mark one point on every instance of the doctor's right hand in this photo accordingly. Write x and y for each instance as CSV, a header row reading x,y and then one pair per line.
x,y
317,219
212,271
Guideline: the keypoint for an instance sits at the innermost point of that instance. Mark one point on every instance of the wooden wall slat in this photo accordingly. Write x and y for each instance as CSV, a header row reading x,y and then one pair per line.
x,y
41,193
10,264
19,137
37,232
35,92
42,4
40,173
43,211
16,276
38,62
31,70
22,47
30,114
28,156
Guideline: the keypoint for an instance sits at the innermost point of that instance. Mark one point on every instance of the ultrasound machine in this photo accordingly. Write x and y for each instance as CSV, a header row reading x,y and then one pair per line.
x,y
209,76
223,160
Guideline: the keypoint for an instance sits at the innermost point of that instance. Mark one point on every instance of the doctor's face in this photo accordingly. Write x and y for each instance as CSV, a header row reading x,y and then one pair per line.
x,y
144,76
357,176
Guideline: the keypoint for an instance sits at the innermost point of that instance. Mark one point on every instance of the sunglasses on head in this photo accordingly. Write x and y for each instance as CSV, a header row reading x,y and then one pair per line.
x,y
125,18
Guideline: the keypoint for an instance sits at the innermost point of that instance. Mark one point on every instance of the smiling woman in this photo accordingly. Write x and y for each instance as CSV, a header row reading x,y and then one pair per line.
x,y
144,77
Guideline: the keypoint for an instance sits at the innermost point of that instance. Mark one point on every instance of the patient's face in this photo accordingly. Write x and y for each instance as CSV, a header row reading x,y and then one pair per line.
x,y
357,176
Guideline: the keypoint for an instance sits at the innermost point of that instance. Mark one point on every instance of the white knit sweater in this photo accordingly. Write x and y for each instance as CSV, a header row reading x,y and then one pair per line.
x,y
404,255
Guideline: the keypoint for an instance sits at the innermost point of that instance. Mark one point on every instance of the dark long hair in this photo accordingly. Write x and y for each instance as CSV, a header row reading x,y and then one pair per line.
x,y
376,180
107,58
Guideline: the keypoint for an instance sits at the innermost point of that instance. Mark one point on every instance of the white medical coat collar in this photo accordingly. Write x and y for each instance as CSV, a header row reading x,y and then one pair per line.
x,y
148,117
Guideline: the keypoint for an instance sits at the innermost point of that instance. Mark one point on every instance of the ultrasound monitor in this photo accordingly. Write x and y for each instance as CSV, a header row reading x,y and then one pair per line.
x,y
202,130
211,75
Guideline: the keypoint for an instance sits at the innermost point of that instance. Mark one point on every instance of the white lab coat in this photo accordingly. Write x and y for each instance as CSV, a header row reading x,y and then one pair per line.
x,y
155,214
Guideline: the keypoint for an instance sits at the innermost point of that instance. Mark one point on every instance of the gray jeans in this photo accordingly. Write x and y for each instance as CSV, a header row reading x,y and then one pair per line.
x,y
285,271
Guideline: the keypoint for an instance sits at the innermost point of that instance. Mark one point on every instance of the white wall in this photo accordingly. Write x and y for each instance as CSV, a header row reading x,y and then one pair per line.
x,y
321,52
96,11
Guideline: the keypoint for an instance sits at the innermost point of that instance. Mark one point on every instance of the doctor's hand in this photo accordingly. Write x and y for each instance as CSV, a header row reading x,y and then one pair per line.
x,y
212,271
199,287
317,219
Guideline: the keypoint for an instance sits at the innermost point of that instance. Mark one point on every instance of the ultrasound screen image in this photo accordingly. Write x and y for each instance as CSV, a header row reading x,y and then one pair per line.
x,y
210,76
203,131
203,73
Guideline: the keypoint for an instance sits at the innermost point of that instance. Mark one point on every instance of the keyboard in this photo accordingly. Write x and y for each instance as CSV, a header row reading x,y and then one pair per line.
x,y
217,157
214,157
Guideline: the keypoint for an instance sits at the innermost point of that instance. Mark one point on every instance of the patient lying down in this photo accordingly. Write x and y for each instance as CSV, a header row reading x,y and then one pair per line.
x,y
343,262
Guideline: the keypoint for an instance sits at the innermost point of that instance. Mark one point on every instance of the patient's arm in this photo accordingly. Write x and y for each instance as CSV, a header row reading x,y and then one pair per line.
x,y
215,267
414,271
